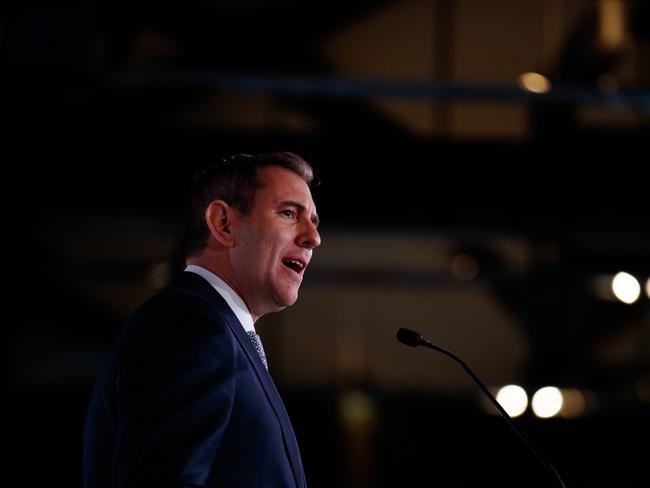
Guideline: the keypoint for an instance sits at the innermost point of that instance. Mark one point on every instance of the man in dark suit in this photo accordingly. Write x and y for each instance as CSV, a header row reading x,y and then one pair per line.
x,y
184,397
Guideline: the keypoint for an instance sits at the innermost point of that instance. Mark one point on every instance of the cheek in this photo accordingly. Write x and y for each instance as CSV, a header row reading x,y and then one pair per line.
x,y
264,258
264,251
269,249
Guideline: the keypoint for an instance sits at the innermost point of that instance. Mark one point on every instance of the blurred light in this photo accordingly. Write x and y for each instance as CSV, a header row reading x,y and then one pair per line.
x,y
602,286
159,275
643,388
574,403
534,83
647,287
464,267
608,83
513,399
547,402
357,410
611,24
626,287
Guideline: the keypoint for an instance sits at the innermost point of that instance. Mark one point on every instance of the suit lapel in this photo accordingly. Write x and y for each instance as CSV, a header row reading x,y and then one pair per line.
x,y
290,442
204,288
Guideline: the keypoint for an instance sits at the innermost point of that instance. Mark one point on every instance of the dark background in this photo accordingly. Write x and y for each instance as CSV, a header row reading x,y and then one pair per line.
x,y
108,108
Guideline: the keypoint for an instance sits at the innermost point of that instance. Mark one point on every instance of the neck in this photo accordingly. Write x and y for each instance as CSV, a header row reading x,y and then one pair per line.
x,y
222,269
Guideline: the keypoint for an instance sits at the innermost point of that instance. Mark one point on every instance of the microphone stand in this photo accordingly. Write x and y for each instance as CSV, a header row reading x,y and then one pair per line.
x,y
414,339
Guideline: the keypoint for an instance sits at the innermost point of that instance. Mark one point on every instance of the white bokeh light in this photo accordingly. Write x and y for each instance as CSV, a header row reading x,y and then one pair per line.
x,y
513,399
547,402
626,287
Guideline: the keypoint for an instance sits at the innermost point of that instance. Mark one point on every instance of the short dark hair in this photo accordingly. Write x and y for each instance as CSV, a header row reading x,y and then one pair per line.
x,y
235,181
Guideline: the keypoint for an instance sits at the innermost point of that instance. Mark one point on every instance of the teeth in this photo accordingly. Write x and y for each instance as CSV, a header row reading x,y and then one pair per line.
x,y
294,264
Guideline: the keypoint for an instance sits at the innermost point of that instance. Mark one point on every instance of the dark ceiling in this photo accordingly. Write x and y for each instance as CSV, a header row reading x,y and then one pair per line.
x,y
82,132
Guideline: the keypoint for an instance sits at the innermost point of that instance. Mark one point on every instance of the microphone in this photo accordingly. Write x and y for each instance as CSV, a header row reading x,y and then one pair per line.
x,y
414,339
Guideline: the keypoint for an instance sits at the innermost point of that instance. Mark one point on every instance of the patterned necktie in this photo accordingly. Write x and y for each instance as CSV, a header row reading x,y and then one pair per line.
x,y
257,344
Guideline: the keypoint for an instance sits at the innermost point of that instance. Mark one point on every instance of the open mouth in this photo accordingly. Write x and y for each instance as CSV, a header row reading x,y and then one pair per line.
x,y
294,264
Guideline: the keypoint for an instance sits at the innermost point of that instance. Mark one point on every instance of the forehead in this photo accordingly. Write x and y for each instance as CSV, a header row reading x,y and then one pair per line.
x,y
279,184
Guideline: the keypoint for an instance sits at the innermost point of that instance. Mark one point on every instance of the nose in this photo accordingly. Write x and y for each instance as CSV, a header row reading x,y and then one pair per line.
x,y
309,238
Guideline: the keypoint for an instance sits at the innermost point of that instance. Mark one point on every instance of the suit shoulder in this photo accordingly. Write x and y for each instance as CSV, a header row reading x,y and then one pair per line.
x,y
176,316
178,302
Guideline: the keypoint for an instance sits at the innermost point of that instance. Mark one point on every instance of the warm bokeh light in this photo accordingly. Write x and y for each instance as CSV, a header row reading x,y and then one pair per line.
x,y
612,26
464,267
602,287
574,403
547,402
513,399
647,287
608,83
643,388
534,83
159,275
626,287
357,409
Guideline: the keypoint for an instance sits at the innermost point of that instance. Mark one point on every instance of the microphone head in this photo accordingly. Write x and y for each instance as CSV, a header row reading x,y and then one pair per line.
x,y
409,337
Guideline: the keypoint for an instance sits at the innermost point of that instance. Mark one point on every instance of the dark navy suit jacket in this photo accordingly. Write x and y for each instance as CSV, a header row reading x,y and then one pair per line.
x,y
182,399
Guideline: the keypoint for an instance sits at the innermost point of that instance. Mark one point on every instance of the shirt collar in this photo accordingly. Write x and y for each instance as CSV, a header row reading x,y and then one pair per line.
x,y
233,300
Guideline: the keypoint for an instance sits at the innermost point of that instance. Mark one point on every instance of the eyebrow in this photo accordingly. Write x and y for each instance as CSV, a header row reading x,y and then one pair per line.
x,y
291,203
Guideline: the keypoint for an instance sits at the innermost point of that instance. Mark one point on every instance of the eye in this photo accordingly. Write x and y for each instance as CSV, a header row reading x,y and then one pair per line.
x,y
289,213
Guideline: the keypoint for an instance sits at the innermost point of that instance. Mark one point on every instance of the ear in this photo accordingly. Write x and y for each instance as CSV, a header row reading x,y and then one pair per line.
x,y
221,219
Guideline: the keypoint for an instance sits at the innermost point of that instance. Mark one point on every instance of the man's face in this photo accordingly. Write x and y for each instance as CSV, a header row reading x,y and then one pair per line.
x,y
274,244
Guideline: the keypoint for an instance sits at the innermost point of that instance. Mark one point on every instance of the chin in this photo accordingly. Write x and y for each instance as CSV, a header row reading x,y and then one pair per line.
x,y
287,298
290,301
